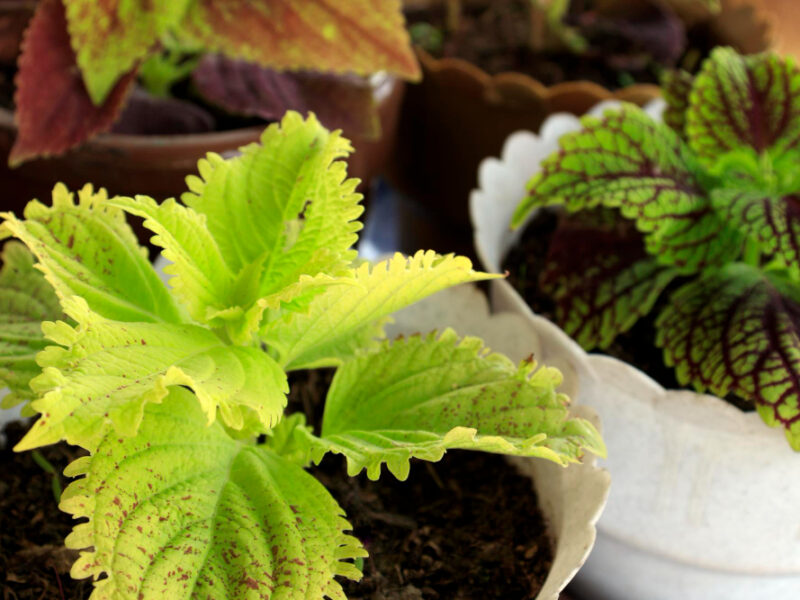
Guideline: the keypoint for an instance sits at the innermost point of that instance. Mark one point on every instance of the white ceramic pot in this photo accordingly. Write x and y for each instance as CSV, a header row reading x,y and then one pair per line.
x,y
571,498
704,501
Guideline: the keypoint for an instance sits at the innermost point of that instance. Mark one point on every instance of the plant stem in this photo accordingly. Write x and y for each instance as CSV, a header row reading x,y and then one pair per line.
x,y
752,253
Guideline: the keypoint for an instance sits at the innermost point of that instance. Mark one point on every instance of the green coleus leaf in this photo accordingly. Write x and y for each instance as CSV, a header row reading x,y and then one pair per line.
x,y
109,38
741,102
676,85
346,318
26,300
625,160
271,227
200,276
772,219
601,279
108,371
738,330
183,511
418,397
86,248
359,36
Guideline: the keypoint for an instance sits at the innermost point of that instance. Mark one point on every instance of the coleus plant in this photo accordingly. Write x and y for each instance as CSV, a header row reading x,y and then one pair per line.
x,y
705,202
194,484
87,54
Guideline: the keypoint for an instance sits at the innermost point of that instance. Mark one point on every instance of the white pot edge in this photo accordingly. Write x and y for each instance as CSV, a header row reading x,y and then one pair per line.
x,y
694,526
571,498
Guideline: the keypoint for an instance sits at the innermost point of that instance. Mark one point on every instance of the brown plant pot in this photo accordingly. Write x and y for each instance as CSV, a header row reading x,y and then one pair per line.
x,y
158,165
459,114
783,17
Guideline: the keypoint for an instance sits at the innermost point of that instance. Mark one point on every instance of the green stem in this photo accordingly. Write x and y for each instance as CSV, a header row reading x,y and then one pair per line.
x,y
752,253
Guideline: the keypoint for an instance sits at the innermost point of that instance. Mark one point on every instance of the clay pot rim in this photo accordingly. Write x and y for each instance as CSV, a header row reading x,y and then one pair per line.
x,y
437,66
118,140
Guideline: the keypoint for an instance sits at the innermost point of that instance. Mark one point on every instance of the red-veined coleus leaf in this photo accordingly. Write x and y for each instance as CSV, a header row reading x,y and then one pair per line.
x,y
340,101
737,329
772,219
54,111
675,88
625,160
741,102
601,279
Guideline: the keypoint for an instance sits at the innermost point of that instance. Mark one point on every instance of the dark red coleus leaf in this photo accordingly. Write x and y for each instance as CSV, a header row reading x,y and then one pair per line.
x,y
600,276
54,111
339,101
145,114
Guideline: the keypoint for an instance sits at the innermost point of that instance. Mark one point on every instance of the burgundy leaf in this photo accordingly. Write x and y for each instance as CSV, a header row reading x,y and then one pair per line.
x,y
601,278
340,101
54,111
738,330
145,114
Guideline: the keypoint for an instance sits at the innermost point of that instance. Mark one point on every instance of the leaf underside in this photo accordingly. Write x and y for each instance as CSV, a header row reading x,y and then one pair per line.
x,y
601,279
184,511
54,111
339,101
627,161
737,330
26,299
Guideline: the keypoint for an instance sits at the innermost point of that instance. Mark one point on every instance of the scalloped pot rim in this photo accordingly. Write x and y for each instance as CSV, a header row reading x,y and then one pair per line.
x,y
696,481
734,420
514,81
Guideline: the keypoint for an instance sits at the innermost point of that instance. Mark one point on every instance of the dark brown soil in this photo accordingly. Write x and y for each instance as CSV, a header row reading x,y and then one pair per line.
x,y
34,565
501,36
525,263
466,527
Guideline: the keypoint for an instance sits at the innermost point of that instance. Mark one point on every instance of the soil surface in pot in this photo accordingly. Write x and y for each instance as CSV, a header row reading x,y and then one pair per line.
x,y
34,564
525,263
631,44
467,527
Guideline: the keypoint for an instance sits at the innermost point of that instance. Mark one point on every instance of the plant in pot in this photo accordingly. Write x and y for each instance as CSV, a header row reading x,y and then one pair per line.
x,y
193,481
229,65
675,252
507,65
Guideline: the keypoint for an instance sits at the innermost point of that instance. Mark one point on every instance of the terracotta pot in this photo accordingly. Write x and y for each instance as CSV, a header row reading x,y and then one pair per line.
x,y
704,499
783,17
571,499
158,165
459,114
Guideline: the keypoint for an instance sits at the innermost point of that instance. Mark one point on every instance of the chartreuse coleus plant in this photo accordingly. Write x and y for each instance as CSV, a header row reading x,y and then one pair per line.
x,y
87,55
173,390
713,192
